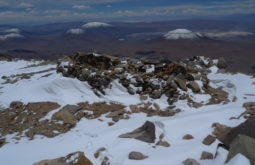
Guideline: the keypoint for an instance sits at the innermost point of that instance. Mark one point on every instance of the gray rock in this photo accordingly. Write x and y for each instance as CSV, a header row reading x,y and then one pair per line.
x,y
145,133
182,84
190,162
244,145
137,156
246,128
194,86
206,155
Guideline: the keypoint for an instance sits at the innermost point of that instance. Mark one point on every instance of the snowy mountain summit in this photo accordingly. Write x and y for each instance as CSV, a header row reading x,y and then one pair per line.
x,y
95,25
91,108
181,34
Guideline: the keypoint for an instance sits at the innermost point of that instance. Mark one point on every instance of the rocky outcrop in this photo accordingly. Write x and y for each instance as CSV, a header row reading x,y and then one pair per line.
x,y
19,117
145,133
76,158
143,77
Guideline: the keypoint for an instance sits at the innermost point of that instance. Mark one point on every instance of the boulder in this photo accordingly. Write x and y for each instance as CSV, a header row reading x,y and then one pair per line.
x,y
206,155
209,140
190,162
194,86
244,145
246,128
145,133
136,156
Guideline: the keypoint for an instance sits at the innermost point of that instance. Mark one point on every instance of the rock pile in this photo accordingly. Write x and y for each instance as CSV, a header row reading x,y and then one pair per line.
x,y
145,77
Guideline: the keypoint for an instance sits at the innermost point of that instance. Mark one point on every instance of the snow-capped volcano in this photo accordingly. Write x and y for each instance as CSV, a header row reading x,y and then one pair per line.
x,y
95,25
181,34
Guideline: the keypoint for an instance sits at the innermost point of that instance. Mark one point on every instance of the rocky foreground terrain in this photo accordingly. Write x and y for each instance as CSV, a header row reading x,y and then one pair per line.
x,y
98,109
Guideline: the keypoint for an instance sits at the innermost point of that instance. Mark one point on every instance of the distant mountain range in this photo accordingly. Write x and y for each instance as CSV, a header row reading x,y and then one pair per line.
x,y
233,39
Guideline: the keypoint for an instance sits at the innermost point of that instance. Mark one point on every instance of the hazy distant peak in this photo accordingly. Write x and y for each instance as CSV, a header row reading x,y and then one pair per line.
x,y
95,25
75,31
181,34
9,36
12,30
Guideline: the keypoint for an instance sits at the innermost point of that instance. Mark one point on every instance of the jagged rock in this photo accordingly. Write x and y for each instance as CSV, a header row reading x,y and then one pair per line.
x,y
206,155
190,162
222,64
76,158
187,137
193,86
244,145
220,131
136,156
246,128
209,140
182,84
145,133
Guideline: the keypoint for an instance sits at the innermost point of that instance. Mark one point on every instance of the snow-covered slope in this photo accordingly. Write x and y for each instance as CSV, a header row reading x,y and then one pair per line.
x,y
90,134
181,34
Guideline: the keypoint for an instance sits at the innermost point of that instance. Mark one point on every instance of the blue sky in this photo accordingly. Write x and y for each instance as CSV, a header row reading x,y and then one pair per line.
x,y
43,11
